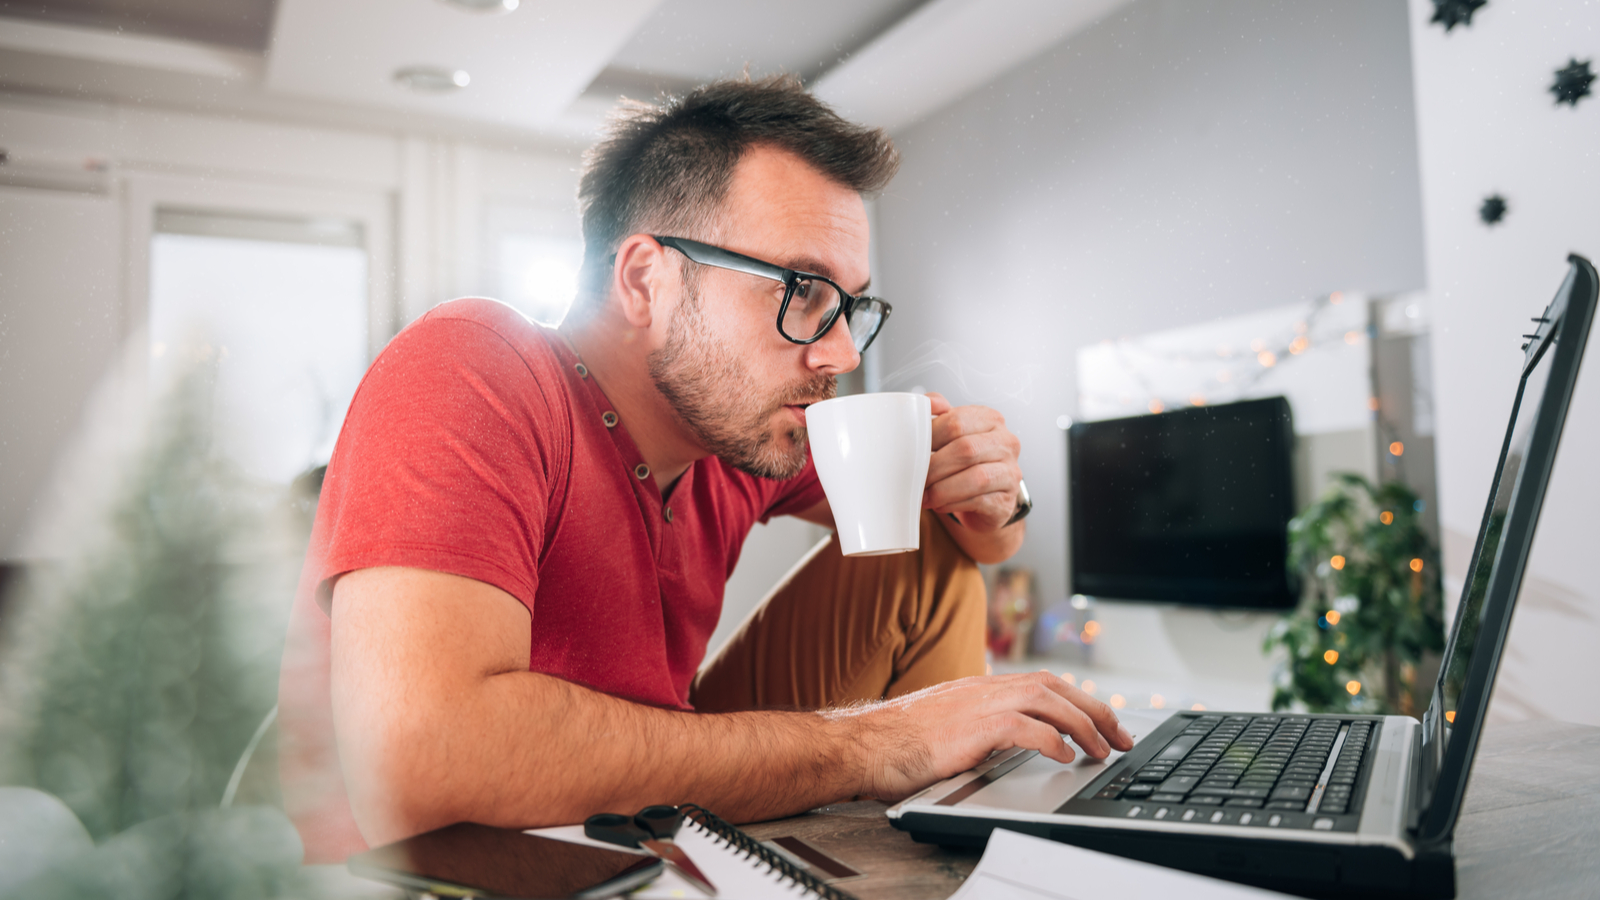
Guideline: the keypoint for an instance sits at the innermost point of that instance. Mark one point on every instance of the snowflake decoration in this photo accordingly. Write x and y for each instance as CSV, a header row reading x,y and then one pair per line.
x,y
1572,83
1493,209
1451,13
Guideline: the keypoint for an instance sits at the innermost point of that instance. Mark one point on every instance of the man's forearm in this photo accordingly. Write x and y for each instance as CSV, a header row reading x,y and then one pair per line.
x,y
438,720
504,753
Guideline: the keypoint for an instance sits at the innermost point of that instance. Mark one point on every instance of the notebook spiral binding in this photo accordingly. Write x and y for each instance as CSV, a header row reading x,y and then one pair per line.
x,y
754,849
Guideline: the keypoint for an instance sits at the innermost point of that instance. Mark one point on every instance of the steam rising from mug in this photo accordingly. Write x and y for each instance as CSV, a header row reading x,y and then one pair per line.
x,y
871,452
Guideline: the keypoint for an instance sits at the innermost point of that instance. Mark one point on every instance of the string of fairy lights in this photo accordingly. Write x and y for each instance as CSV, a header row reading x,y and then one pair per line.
x,y
1240,370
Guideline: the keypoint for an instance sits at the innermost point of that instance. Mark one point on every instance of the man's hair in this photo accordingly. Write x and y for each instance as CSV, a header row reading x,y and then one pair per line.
x,y
666,168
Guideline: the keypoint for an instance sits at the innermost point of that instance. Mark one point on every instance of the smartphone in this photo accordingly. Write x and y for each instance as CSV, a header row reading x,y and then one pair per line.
x,y
472,860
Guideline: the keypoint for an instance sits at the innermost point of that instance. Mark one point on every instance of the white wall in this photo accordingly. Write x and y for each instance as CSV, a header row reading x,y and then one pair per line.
x,y
59,325
72,263
1179,162
1486,124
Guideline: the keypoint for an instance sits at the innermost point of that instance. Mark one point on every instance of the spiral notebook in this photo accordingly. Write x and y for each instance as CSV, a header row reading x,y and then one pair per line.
x,y
738,864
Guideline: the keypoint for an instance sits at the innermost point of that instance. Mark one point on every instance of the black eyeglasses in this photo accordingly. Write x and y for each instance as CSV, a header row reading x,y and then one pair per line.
x,y
811,302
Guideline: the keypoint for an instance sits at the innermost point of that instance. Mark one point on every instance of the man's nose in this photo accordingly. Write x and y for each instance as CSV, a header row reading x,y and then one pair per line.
x,y
835,353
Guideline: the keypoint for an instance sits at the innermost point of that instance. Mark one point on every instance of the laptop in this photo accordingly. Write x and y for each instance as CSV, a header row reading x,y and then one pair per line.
x,y
1326,805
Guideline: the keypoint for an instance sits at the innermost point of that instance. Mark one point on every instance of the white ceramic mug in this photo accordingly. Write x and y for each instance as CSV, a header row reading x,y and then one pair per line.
x,y
872,452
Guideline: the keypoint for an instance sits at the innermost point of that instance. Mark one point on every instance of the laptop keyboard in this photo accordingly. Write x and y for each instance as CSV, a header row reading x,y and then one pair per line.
x,y
1288,763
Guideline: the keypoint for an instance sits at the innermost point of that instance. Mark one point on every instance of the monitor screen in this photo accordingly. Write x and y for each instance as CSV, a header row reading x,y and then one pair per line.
x,y
1188,507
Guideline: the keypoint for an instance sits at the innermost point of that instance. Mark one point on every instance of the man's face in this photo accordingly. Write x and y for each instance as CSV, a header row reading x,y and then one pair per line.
x,y
735,383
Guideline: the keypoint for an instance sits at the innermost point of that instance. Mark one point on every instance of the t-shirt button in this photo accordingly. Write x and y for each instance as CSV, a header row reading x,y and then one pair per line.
x,y
610,418
642,471
669,514
583,370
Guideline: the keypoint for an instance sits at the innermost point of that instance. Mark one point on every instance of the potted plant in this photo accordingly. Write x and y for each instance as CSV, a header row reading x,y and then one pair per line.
x,y
1369,628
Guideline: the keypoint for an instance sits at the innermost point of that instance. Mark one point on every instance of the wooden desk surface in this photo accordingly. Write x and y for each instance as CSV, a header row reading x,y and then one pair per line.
x,y
1530,827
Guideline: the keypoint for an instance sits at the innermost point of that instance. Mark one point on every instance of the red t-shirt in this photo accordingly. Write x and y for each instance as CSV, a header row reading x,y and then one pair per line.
x,y
477,446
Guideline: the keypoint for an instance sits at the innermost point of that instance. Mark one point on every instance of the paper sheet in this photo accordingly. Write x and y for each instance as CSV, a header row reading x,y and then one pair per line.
x,y
1018,866
734,875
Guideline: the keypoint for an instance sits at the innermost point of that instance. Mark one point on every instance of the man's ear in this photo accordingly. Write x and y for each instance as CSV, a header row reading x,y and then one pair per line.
x,y
637,277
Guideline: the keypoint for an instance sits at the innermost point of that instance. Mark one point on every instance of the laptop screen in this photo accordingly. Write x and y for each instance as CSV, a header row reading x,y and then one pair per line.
x,y
1454,719
1491,536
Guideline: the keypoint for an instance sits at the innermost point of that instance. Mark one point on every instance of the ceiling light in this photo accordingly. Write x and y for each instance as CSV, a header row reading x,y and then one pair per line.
x,y
485,6
432,79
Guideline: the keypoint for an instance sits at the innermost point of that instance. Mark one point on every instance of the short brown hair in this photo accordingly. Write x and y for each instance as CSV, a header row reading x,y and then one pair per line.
x,y
666,168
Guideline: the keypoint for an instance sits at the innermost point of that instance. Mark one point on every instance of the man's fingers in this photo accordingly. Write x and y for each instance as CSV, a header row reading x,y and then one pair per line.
x,y
956,724
1037,697
990,489
1100,714
1018,730
957,421
971,450
1103,716
940,407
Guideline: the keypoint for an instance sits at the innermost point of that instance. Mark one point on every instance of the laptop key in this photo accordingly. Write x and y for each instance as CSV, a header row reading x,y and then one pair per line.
x,y
1286,804
1166,798
1243,792
1246,802
1178,784
1292,792
1178,749
1205,801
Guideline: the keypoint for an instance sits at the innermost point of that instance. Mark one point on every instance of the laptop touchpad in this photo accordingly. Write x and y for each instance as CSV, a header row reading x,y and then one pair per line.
x,y
1042,784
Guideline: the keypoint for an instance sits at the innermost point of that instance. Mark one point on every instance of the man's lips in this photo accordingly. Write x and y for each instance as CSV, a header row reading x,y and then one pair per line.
x,y
799,409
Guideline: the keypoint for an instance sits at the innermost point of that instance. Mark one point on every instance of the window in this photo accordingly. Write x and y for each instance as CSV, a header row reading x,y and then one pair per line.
x,y
280,305
539,275
536,253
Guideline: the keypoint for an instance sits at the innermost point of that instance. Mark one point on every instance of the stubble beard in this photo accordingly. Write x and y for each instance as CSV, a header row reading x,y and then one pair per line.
x,y
707,388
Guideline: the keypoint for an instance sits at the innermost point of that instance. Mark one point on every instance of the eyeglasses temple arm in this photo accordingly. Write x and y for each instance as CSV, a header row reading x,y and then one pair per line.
x,y
705,254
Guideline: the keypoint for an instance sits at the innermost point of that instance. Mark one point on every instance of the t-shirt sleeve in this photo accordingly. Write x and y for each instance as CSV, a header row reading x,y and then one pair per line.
x,y
795,495
447,461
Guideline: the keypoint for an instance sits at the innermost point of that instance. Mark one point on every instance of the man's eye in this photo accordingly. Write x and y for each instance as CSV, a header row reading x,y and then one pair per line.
x,y
802,291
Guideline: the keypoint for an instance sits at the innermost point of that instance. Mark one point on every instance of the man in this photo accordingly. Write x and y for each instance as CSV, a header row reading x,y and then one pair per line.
x,y
524,534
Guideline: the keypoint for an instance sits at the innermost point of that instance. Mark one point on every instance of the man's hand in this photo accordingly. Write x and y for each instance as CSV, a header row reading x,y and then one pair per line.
x,y
975,477
916,740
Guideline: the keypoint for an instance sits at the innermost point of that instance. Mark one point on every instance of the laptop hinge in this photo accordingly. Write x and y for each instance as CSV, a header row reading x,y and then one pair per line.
x,y
1423,775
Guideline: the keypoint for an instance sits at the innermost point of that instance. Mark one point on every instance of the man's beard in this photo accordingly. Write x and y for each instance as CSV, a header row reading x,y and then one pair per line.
x,y
706,387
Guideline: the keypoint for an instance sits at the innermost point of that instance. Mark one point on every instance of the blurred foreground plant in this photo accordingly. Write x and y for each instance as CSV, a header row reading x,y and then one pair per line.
x,y
140,665
1370,621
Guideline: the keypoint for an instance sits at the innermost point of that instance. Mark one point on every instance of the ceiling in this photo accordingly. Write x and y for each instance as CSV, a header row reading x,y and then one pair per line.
x,y
549,71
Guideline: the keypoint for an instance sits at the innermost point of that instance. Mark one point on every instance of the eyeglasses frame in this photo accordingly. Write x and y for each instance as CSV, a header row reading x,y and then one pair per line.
x,y
716,257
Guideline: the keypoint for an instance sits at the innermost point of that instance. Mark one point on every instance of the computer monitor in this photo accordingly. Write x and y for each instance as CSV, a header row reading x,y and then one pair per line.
x,y
1191,506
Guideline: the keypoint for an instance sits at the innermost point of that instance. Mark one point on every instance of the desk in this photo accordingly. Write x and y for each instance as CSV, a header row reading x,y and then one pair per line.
x,y
1530,827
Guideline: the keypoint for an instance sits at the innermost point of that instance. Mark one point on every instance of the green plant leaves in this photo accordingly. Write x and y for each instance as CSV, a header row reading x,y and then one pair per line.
x,y
1364,544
